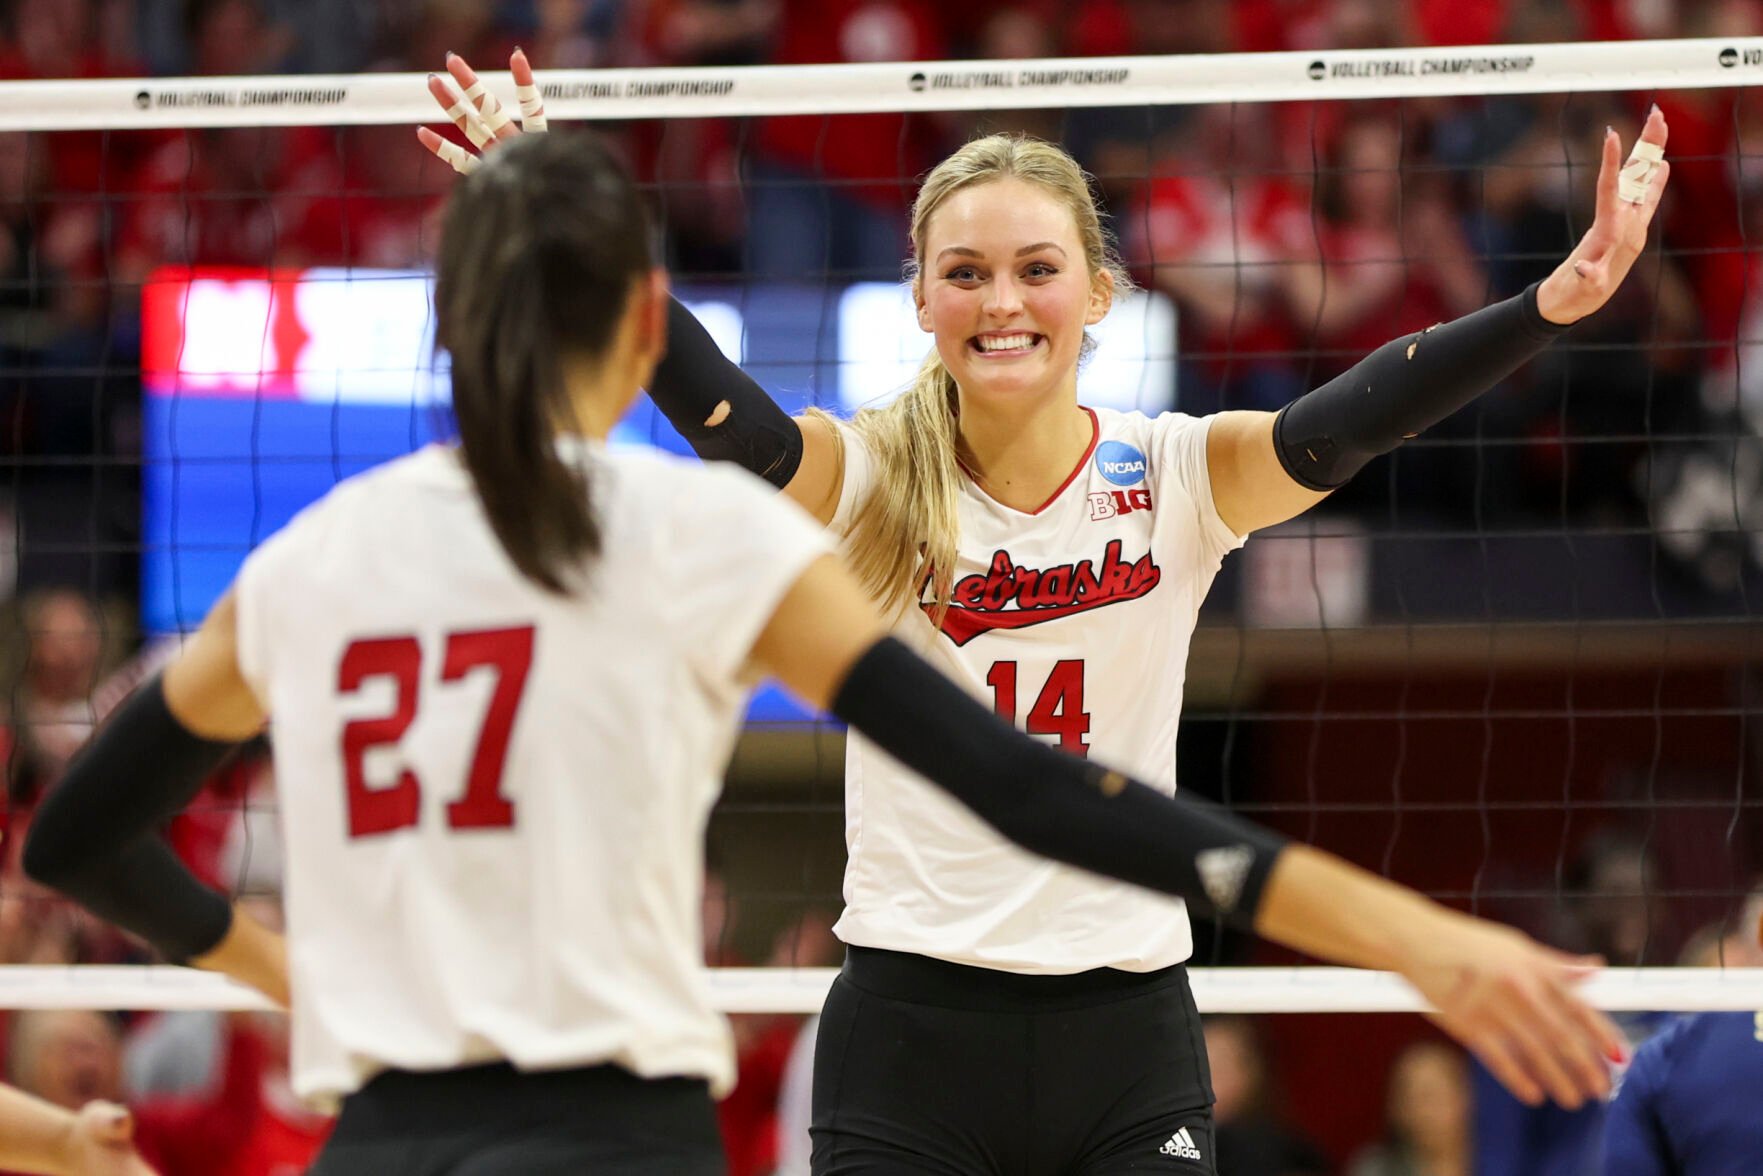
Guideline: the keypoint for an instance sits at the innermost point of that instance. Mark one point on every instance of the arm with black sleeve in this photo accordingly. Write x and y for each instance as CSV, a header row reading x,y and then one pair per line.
x,y
96,838
1053,804
1404,388
1505,997
691,385
1408,385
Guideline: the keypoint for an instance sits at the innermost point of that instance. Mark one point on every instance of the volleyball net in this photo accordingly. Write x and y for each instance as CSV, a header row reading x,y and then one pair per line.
x,y
1513,665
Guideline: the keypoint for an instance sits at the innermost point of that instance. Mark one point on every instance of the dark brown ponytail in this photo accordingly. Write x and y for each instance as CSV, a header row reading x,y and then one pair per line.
x,y
541,249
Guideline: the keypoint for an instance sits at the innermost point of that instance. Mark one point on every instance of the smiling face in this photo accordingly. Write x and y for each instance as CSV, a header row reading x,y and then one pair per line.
x,y
1007,290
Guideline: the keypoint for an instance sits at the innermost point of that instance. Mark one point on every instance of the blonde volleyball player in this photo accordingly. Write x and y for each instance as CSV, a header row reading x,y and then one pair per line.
x,y
505,679
1051,559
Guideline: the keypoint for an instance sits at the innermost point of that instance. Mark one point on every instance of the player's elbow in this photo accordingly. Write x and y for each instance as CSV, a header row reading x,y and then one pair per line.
x,y
48,861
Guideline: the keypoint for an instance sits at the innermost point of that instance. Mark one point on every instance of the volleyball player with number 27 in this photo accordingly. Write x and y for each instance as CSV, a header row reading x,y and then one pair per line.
x,y
1052,559
505,678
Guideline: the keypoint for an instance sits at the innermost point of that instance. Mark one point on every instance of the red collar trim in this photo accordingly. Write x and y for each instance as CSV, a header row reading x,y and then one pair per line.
x,y
1095,439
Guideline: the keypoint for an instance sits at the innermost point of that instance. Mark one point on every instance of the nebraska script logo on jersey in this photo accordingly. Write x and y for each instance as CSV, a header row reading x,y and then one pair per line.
x,y
1012,597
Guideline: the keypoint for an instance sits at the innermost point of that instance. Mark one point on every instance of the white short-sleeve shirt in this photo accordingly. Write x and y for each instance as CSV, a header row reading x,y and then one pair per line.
x,y
493,796
1073,622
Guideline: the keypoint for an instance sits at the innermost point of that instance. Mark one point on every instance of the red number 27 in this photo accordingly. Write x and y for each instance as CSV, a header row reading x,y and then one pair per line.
x,y
388,807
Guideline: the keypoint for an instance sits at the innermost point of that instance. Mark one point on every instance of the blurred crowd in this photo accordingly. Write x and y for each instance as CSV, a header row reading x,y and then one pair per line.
x,y
1292,238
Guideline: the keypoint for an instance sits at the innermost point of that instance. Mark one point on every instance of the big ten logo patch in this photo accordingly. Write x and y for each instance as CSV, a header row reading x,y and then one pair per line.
x,y
1108,504
1120,463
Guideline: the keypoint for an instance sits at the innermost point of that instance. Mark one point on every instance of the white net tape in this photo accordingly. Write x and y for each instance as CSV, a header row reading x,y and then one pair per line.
x,y
1052,83
802,990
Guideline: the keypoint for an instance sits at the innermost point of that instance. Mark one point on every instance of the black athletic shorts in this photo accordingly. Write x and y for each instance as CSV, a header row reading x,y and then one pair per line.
x,y
498,1121
929,1068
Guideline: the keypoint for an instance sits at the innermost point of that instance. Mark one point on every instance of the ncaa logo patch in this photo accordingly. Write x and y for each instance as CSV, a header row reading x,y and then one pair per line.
x,y
1120,463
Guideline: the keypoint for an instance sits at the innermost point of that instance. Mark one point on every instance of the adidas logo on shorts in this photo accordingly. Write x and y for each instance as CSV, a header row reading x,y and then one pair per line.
x,y
1181,1146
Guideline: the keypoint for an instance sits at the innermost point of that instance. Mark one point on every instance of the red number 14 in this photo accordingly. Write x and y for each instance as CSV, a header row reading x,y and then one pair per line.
x,y
1058,709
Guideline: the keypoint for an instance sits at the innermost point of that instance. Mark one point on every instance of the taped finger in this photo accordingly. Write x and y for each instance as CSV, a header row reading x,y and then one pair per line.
x,y
465,115
490,107
532,108
1636,177
456,157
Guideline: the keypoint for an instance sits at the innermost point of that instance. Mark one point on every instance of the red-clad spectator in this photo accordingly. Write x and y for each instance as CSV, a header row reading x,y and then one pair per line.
x,y
385,209
233,37
1460,22
249,196
52,711
747,1118
79,174
1122,27
425,31
702,32
831,192
1708,130
1216,227
59,39
749,1115
1391,255
694,163
247,1123
246,196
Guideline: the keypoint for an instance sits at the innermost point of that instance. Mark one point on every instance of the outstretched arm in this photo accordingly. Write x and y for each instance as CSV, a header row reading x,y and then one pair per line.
x,y
1504,996
38,1136
1268,467
720,410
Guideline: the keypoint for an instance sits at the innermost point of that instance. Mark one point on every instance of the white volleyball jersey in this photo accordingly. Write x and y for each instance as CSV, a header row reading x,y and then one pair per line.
x,y
494,797
1073,622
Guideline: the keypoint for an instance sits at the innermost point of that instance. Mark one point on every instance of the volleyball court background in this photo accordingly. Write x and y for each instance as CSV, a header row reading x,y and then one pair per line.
x,y
1512,665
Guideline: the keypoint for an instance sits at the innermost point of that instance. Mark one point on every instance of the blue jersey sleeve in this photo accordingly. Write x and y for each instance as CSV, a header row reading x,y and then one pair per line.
x,y
1634,1138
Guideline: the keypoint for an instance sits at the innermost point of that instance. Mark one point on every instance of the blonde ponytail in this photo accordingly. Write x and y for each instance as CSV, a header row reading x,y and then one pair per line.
x,y
907,529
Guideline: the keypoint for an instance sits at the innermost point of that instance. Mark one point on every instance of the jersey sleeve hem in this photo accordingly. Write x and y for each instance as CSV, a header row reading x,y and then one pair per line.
x,y
781,540
858,478
248,637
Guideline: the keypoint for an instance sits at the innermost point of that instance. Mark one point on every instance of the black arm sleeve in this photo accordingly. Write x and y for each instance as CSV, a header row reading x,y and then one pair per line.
x,y
96,837
1053,804
1404,388
694,376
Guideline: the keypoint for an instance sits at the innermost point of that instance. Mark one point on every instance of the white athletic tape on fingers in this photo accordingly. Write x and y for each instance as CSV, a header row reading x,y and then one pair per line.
x,y
532,108
476,91
496,119
1637,174
465,115
457,157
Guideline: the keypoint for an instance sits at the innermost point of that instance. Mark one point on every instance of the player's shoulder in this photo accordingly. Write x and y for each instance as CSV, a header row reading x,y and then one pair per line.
x,y
1132,445
684,500
662,477
381,494
1133,426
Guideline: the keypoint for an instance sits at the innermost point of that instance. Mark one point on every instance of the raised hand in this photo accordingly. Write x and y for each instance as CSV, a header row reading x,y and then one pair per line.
x,y
475,110
1628,195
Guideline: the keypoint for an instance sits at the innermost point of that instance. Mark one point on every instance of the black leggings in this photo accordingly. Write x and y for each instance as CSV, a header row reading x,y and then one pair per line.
x,y
934,1069
497,1121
